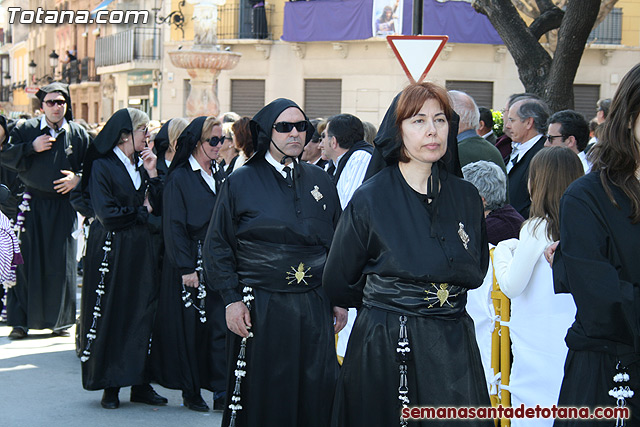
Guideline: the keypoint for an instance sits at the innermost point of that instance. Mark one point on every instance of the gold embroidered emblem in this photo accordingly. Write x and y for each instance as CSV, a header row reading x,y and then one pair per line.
x,y
316,193
440,293
298,275
463,235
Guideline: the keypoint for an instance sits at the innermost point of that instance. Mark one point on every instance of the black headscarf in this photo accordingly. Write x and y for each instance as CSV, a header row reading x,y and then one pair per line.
x,y
108,138
161,143
187,142
262,125
62,88
388,140
3,123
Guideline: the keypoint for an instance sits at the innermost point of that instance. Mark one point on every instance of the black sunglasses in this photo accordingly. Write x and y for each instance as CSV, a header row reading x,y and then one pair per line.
x,y
552,137
52,102
215,140
285,127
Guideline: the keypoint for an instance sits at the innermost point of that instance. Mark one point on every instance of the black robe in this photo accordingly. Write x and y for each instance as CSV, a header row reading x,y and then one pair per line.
x,y
597,262
45,294
118,353
262,233
187,354
390,256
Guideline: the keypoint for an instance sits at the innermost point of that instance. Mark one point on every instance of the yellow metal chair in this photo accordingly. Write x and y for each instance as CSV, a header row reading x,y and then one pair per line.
x,y
501,347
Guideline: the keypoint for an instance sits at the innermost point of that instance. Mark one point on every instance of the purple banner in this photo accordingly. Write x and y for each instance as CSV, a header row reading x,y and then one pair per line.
x,y
306,21
311,21
459,21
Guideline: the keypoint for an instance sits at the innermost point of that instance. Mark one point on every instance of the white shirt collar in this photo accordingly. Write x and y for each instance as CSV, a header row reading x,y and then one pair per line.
x,y
44,124
520,150
487,134
276,164
586,165
134,173
195,166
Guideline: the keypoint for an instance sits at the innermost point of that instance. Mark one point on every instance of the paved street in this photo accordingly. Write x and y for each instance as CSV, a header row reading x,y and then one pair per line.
x,y
40,385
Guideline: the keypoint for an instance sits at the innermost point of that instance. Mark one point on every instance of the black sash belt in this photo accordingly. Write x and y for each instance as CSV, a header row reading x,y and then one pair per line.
x,y
280,268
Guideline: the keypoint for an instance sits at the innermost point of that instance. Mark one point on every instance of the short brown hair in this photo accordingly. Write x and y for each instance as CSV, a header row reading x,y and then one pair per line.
x,y
411,101
242,132
551,171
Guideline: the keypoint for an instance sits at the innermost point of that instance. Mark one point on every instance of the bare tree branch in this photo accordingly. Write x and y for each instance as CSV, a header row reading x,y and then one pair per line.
x,y
549,20
544,5
528,7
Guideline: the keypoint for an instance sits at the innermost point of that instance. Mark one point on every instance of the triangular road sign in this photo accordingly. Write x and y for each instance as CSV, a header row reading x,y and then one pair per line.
x,y
417,53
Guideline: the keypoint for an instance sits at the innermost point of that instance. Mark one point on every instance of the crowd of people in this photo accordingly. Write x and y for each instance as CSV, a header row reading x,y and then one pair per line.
x,y
320,273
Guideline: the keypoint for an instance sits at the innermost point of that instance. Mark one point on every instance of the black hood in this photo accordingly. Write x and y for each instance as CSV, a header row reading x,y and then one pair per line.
x,y
108,138
3,123
187,142
388,141
63,88
262,125
161,142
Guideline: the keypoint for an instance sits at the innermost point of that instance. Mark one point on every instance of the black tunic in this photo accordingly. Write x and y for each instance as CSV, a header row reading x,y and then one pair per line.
x,y
187,354
260,232
118,354
391,254
45,293
597,262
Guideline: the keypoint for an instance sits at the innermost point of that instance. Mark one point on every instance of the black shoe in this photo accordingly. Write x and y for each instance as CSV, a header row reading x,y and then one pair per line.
x,y
146,394
218,404
110,398
17,334
61,332
195,403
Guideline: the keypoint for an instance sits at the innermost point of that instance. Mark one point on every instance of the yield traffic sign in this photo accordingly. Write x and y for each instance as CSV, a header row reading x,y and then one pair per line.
x,y
417,53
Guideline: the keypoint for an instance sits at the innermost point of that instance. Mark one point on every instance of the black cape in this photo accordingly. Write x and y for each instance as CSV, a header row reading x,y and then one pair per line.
x,y
261,231
10,178
597,262
390,259
45,293
187,354
117,355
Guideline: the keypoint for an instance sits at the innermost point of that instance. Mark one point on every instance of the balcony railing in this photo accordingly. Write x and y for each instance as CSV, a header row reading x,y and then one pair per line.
x,y
5,93
88,70
610,29
80,71
245,22
137,44
71,72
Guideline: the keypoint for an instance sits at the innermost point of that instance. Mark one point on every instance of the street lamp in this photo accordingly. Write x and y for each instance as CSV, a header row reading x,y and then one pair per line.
x,y
32,68
53,62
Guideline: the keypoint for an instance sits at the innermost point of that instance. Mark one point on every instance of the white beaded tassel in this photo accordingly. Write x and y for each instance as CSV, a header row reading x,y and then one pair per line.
x,y
403,351
104,269
621,392
202,291
241,364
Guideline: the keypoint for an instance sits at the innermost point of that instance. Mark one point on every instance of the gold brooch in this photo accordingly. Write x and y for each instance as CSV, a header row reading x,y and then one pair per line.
x,y
298,275
316,193
463,235
440,294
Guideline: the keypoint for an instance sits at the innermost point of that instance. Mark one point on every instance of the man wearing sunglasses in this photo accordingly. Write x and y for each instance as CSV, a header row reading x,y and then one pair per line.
x,y
47,153
570,129
265,251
